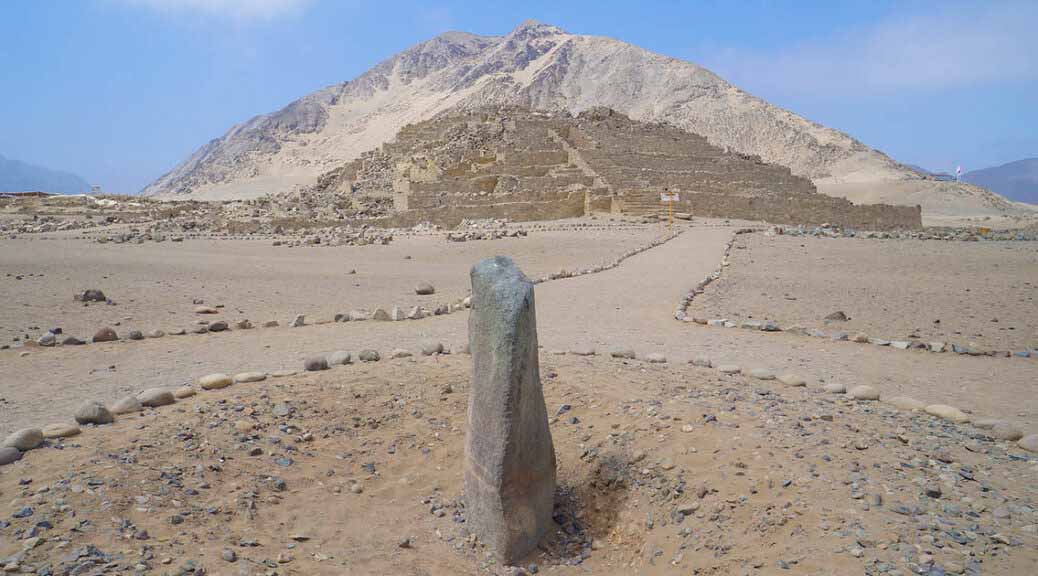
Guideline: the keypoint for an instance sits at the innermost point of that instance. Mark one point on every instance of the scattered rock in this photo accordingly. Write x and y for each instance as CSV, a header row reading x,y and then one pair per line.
x,y
184,392
271,324
156,334
837,316
214,381
834,388
625,353
729,369
582,351
396,314
399,353
424,289
243,325
656,358
72,341
206,310
381,315
47,340
299,320
93,412
702,362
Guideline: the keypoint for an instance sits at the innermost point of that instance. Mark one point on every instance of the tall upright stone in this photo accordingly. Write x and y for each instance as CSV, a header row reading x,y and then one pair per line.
x,y
509,456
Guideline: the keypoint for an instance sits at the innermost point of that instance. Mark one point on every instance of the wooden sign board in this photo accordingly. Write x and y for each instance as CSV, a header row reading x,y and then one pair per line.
x,y
669,197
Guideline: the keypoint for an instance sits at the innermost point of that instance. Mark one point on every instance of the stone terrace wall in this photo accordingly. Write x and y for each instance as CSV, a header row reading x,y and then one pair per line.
x,y
813,210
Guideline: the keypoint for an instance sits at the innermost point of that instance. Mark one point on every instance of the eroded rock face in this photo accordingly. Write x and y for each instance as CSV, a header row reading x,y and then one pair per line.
x,y
509,455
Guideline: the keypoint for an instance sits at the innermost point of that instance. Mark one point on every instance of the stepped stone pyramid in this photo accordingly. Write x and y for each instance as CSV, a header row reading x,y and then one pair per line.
x,y
523,165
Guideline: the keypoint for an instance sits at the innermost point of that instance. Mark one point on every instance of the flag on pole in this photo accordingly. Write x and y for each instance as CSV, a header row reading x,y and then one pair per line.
x,y
958,172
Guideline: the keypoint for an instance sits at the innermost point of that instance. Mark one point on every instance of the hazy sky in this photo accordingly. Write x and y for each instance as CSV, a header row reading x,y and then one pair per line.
x,y
119,91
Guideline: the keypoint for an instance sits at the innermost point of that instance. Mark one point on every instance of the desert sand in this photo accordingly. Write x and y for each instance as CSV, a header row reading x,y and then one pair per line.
x,y
664,468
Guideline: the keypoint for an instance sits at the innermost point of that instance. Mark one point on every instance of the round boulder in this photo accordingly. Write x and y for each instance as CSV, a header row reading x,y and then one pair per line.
x,y
218,326
9,455
905,403
399,353
762,374
155,397
184,392
1029,443
339,357
93,412
24,439
135,335
949,413
430,348
424,289
863,392
702,362
127,405
729,369
369,356
60,430
625,353
214,381
105,334
656,358
315,363
93,295
1005,431
250,377
792,380
834,388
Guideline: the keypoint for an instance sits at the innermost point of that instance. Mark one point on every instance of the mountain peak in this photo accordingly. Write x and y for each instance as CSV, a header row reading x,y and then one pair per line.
x,y
534,29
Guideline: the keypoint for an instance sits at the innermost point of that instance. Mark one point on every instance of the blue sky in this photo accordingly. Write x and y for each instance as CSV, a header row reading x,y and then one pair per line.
x,y
119,91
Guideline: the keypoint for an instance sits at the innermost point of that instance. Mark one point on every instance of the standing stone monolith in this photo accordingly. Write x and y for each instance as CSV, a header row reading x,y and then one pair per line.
x,y
509,456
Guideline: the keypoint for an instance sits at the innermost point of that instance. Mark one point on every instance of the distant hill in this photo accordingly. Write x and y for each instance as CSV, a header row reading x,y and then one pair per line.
x,y
1015,180
17,176
541,67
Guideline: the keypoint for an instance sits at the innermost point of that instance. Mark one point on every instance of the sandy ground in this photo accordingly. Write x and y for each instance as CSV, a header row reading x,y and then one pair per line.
x,y
630,306
663,469
155,284
981,294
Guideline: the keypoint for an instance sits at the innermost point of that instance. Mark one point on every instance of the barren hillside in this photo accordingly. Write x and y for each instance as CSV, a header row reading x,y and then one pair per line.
x,y
541,66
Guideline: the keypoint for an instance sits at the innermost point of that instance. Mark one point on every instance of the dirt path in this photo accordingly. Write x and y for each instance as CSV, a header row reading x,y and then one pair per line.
x,y
631,306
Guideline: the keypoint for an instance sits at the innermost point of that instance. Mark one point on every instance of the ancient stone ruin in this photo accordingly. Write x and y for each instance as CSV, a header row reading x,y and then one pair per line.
x,y
529,165
509,456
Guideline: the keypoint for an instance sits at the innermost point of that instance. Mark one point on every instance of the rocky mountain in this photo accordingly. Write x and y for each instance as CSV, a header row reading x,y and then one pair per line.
x,y
542,67
17,176
1016,180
